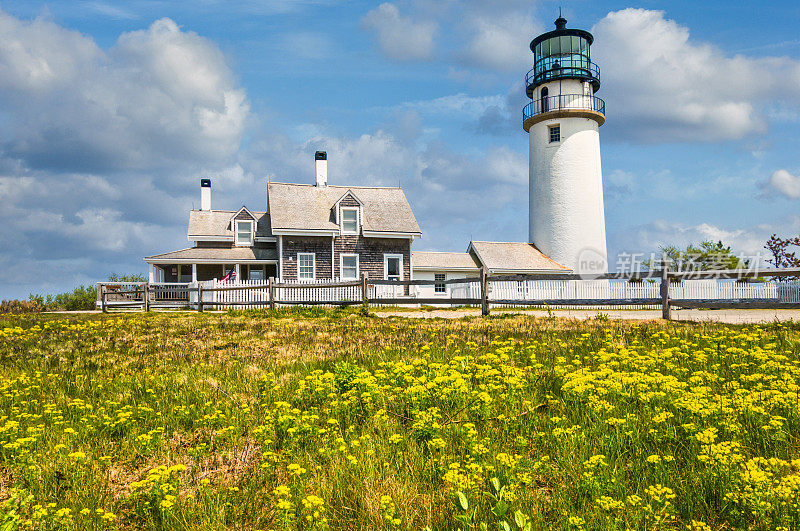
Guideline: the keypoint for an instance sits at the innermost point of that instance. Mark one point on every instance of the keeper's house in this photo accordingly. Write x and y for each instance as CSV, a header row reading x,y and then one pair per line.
x,y
314,232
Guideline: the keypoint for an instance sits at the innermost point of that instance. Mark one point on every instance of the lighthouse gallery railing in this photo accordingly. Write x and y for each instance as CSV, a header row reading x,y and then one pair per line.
x,y
563,101
562,67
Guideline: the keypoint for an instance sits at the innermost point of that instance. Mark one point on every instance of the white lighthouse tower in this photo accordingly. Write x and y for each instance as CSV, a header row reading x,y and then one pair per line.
x,y
567,221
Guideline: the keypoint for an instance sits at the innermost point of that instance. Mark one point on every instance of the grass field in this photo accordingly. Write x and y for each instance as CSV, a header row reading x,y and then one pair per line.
x,y
329,419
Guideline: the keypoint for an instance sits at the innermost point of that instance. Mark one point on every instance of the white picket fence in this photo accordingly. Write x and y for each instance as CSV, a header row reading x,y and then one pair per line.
x,y
788,291
622,289
573,289
309,292
466,290
164,294
723,289
383,291
318,292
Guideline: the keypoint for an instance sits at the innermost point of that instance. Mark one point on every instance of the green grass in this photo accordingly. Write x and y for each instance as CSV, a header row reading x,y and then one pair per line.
x,y
312,418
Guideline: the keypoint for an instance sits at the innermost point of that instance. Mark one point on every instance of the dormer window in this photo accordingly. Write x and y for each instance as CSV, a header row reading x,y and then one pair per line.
x,y
244,232
349,223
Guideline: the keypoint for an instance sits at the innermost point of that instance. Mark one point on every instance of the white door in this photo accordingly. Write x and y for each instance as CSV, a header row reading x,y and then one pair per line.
x,y
393,266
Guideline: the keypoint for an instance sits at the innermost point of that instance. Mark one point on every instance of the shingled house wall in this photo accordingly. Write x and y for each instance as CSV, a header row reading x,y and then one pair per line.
x,y
370,250
320,245
370,253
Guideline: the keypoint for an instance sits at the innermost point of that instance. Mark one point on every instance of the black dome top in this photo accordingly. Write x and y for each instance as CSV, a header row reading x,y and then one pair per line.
x,y
561,29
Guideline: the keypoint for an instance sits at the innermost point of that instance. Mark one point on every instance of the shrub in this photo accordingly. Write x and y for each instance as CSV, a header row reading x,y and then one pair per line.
x,y
81,298
17,307
113,277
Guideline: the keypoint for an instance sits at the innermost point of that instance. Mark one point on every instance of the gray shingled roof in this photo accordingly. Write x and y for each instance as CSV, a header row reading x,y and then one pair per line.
x,y
443,260
236,254
309,207
513,257
217,223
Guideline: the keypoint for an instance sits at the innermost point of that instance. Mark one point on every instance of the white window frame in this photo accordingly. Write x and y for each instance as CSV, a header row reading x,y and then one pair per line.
x,y
313,266
341,265
550,134
358,222
386,258
436,286
249,242
256,267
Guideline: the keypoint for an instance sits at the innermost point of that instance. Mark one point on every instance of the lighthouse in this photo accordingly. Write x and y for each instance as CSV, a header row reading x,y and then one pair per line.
x,y
563,119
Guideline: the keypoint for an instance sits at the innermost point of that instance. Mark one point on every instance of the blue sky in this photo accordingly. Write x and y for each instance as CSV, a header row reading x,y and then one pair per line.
x,y
112,111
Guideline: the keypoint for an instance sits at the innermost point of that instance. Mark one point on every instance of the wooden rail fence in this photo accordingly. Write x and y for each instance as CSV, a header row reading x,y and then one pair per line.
x,y
663,288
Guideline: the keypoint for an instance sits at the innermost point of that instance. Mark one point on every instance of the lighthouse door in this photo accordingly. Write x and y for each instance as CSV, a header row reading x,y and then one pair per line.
x,y
543,103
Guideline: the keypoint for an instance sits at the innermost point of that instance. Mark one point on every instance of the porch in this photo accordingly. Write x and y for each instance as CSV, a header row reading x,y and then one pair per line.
x,y
197,264
185,273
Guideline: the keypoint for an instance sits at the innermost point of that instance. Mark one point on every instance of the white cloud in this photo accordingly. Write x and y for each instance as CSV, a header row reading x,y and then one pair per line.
x,y
400,37
747,241
784,183
456,104
101,150
107,10
661,86
307,45
486,36
498,40
443,186
159,96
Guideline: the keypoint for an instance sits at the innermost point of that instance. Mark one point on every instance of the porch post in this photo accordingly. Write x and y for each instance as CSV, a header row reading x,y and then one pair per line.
x,y
280,258
194,272
151,272
238,273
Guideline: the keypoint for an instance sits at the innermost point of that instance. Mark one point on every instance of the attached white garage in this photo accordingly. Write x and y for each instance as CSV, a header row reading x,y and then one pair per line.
x,y
430,265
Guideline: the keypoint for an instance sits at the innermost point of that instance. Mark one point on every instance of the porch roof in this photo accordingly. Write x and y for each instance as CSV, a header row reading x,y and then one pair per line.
x,y
215,256
437,260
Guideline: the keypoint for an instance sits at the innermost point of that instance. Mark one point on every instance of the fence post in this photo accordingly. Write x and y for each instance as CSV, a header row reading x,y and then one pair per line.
x,y
271,293
364,292
199,297
665,313
147,296
103,298
484,292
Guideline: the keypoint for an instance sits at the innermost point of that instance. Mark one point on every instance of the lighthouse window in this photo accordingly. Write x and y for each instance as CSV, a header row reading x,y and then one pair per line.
x,y
555,133
566,45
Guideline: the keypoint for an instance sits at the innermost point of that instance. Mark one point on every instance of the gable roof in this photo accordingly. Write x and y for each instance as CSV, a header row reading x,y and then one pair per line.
x,y
513,257
217,223
436,260
310,208
349,193
246,211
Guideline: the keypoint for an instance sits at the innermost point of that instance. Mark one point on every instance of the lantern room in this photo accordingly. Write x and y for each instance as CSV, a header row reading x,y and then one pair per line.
x,y
562,54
